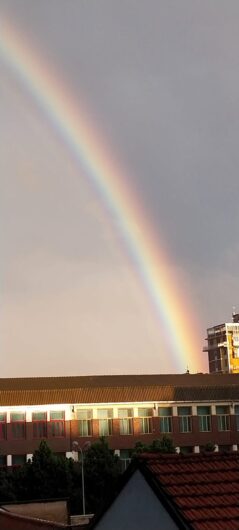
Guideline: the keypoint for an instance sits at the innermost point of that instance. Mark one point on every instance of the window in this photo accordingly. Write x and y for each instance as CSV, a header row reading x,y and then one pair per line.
x,y
186,450
3,460
126,426
105,421
18,425
57,419
125,459
18,460
3,425
145,420
185,420
39,422
165,419
204,418
237,416
223,418
84,422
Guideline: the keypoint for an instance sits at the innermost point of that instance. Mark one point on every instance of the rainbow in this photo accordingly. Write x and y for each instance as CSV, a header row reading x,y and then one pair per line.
x,y
84,142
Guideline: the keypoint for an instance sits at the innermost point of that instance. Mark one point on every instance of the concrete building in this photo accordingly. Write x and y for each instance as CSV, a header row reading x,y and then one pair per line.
x,y
66,411
223,347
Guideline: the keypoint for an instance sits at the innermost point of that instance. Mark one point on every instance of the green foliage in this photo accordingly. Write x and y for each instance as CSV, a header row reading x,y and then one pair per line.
x,y
209,447
49,477
102,469
162,445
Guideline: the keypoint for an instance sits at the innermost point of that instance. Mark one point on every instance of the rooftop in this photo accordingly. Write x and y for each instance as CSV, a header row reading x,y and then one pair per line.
x,y
203,488
119,389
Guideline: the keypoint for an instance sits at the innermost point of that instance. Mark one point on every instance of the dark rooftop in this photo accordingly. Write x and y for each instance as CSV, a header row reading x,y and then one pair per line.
x,y
119,388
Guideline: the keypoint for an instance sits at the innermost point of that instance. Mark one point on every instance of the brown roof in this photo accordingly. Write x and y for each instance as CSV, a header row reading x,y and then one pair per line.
x,y
119,388
203,488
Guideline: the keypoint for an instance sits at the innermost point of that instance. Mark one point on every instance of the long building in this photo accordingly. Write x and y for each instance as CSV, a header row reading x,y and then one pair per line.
x,y
70,411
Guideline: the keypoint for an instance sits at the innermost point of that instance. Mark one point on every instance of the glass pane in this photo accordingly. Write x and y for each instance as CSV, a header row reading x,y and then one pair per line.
x,y
144,413
145,426
3,460
84,427
222,409
165,424
2,416
38,416
84,414
40,429
184,411
104,413
57,415
105,427
125,413
165,411
18,460
204,411
236,409
17,416
57,428
18,430
125,426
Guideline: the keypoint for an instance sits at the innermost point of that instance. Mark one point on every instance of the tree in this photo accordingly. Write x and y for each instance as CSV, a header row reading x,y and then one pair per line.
x,y
47,476
162,445
102,470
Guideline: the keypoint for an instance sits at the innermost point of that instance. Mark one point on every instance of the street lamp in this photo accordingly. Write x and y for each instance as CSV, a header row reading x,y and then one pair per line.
x,y
76,447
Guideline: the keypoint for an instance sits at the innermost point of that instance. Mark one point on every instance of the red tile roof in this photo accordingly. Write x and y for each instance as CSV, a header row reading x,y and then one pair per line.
x,y
119,388
203,488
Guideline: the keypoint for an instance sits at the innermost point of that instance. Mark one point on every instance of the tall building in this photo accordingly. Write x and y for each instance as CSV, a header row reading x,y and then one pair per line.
x,y
71,412
223,347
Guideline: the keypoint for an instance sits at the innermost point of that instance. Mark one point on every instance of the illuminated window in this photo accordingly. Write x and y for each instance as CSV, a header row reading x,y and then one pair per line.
x,y
57,423
145,417
39,422
204,418
105,421
126,422
85,422
165,419
185,419
18,425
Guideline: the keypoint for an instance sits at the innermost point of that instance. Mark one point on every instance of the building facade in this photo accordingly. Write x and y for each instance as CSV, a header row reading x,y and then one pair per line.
x,y
70,412
223,347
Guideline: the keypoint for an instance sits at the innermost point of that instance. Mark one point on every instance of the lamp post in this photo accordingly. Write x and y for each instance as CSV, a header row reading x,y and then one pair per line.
x,y
82,479
76,447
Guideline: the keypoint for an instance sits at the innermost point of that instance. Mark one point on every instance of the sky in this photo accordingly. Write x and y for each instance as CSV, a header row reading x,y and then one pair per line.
x,y
159,80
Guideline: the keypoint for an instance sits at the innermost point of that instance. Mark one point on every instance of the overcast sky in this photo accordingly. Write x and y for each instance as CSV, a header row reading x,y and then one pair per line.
x,y
161,81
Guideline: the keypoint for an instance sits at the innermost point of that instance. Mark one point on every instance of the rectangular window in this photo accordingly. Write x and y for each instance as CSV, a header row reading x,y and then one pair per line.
x,y
18,460
105,421
237,416
18,425
84,417
145,417
57,423
185,419
3,460
126,422
223,418
165,419
39,422
125,459
204,418
3,425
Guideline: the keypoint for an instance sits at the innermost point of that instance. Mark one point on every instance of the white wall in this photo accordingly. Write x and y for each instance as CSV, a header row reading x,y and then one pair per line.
x,y
136,508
